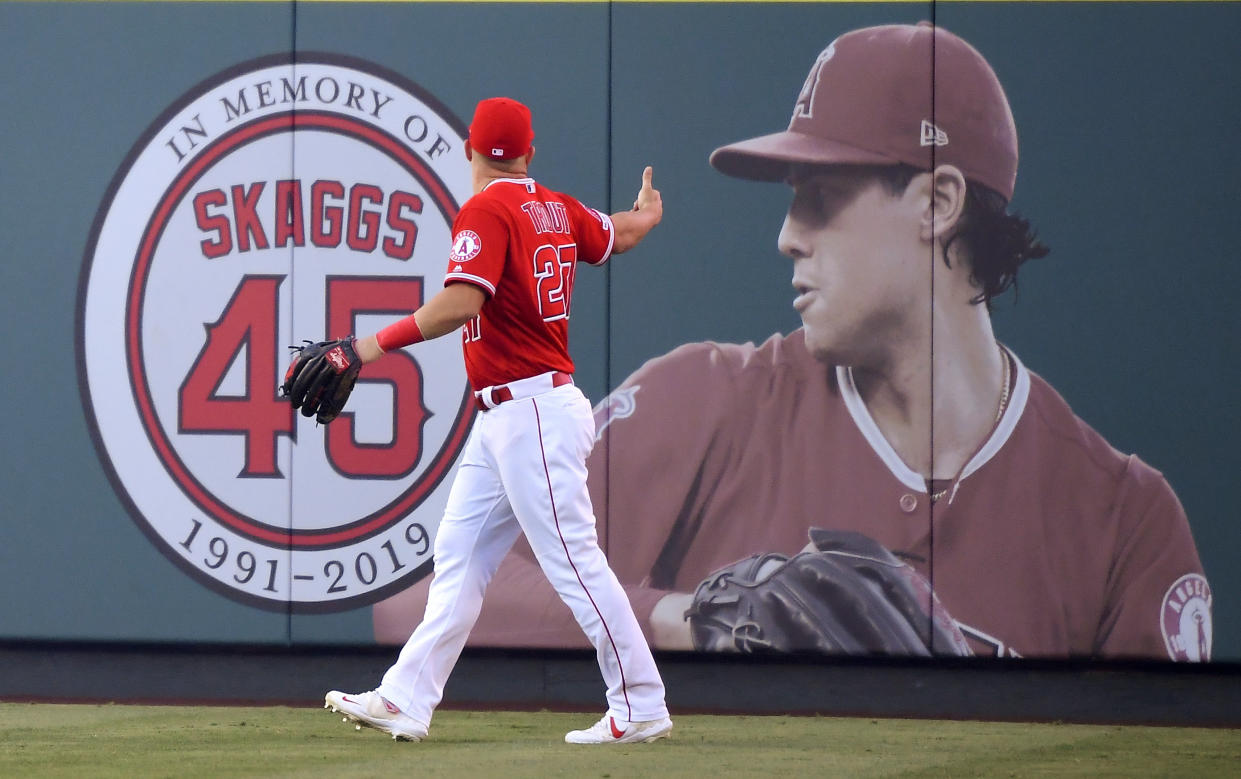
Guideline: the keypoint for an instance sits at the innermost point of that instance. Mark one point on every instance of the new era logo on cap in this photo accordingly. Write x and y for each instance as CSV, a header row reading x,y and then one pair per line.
x,y
932,135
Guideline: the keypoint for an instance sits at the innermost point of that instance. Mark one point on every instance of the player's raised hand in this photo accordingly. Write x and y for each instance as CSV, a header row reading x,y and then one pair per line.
x,y
632,226
648,196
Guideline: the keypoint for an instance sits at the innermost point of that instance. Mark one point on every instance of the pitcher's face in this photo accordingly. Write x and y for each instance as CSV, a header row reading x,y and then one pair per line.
x,y
861,270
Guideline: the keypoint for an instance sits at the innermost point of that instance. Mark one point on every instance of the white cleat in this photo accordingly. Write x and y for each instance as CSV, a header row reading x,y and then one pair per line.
x,y
611,730
370,709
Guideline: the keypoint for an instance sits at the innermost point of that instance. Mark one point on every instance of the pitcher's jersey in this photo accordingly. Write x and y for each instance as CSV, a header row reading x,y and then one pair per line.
x,y
520,242
1053,545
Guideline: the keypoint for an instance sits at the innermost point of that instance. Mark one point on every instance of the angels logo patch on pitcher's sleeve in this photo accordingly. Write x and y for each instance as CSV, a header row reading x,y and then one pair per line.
x,y
1185,619
618,405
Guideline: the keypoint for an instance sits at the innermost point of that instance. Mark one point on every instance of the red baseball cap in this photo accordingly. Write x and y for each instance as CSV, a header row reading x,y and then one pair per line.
x,y
501,129
913,94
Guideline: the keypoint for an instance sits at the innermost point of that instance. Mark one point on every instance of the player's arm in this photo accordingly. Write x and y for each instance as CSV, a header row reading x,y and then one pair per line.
x,y
451,308
669,629
633,225
660,454
1158,600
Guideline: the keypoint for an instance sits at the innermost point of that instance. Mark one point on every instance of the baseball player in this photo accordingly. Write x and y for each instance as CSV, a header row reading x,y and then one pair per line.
x,y
1038,537
509,285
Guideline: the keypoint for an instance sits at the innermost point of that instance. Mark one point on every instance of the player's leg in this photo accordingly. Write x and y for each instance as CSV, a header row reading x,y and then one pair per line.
x,y
477,530
544,473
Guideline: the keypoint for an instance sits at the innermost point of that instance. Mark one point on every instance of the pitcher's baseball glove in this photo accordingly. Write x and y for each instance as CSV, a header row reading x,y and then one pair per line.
x,y
321,377
847,595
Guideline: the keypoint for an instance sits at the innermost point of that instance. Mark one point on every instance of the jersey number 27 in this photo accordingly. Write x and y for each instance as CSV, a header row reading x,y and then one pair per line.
x,y
553,277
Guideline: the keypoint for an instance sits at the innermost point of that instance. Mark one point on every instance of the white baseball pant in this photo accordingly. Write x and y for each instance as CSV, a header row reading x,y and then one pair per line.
x,y
524,470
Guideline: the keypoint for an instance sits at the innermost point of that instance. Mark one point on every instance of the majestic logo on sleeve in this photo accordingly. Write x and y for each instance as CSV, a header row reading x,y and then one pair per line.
x,y
274,202
1185,619
465,246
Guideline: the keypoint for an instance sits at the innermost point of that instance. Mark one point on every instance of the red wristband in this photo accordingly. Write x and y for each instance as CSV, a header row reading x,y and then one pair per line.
x,y
399,334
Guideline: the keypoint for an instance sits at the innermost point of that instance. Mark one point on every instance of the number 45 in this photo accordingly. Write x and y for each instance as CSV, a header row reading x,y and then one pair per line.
x,y
260,416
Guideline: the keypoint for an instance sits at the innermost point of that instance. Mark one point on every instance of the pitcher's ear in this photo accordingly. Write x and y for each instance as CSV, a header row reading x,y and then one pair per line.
x,y
945,203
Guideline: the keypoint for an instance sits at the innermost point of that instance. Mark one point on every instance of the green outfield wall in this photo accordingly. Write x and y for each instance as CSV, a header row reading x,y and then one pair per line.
x,y
190,186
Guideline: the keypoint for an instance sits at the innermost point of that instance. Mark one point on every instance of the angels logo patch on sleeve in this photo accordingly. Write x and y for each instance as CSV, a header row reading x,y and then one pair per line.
x,y
1185,619
465,246
621,404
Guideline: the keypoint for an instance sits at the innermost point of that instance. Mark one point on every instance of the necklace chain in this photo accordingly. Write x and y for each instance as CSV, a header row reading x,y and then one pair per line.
x,y
999,414
1004,389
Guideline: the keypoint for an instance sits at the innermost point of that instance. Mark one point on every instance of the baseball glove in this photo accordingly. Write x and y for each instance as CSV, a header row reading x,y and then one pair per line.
x,y
848,594
321,377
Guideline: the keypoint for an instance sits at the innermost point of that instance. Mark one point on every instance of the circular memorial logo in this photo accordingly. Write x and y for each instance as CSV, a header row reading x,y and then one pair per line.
x,y
279,201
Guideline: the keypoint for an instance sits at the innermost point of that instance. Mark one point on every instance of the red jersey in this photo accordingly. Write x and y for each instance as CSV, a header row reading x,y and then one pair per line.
x,y
1053,545
520,242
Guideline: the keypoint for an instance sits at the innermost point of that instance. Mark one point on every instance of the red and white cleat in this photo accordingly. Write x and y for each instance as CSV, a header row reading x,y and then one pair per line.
x,y
373,711
611,730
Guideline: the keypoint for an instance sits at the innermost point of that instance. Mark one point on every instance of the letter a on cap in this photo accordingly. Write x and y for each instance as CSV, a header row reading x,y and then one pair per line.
x,y
805,101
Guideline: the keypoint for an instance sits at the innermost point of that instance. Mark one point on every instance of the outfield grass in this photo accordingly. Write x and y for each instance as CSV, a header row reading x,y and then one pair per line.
x,y
174,741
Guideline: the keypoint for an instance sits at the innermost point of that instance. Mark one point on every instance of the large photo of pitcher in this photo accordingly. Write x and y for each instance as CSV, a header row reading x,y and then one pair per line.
x,y
889,476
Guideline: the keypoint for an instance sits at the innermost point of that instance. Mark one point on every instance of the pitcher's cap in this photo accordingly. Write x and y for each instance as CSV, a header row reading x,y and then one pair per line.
x,y
501,128
913,94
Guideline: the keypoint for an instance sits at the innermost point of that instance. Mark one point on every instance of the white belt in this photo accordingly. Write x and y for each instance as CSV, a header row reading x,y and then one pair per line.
x,y
488,398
